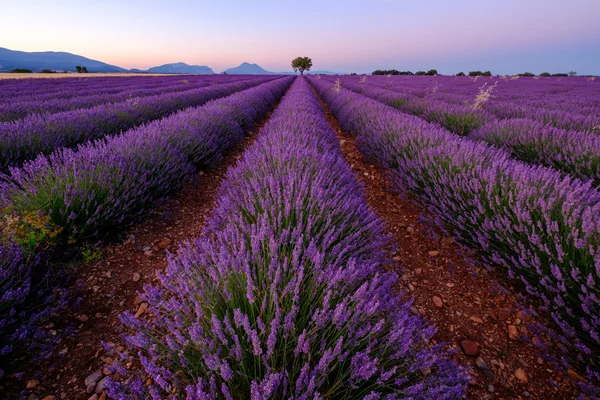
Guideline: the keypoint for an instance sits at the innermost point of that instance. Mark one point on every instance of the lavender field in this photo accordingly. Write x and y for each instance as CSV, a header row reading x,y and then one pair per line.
x,y
293,278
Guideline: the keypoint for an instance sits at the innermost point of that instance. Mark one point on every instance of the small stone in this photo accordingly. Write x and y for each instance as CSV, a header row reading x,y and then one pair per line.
x,y
575,376
477,320
446,242
83,318
470,348
90,388
396,258
164,243
491,388
485,369
101,385
513,333
148,253
94,397
32,384
136,276
63,351
434,253
49,397
93,378
418,270
137,301
437,301
410,230
143,307
521,375
540,360
147,248
450,284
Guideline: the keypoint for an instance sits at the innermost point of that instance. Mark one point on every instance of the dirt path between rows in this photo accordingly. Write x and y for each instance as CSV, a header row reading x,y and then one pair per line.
x,y
461,299
109,285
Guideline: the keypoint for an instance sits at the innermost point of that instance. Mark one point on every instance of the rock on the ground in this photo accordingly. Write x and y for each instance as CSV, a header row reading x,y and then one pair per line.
x,y
521,375
101,385
164,243
575,376
32,384
136,276
513,333
141,310
434,253
93,378
470,348
437,301
49,397
483,367
477,320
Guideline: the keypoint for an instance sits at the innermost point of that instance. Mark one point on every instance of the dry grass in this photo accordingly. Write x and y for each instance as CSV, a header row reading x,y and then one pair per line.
x,y
8,75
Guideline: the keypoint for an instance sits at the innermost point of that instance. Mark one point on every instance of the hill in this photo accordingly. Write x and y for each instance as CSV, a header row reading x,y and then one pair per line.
x,y
248,69
180,68
36,61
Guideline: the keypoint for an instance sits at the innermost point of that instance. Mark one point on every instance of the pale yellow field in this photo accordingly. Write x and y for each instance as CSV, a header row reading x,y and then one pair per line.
x,y
7,75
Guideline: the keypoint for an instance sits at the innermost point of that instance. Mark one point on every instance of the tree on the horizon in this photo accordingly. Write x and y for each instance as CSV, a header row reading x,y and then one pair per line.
x,y
301,64
78,68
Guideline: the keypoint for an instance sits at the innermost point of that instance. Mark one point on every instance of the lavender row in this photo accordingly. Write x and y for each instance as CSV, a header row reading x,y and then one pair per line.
x,y
107,183
541,228
576,153
25,139
73,196
575,95
28,297
17,109
45,89
457,118
286,296
573,106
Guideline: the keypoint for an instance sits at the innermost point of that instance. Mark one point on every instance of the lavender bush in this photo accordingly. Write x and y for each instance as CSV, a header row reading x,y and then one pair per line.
x,y
26,138
107,183
27,298
575,153
541,227
286,296
21,106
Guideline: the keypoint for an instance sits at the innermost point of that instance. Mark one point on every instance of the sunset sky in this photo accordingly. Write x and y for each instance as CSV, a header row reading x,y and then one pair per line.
x,y
342,36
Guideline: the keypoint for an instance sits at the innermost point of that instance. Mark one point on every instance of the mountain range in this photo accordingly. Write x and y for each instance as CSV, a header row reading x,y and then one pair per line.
x,y
62,61
178,68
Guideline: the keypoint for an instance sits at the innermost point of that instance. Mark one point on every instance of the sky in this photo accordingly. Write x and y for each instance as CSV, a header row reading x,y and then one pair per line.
x,y
346,36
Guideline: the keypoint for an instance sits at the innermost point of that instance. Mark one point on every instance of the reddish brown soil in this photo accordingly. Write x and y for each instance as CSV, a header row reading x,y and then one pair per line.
x,y
470,308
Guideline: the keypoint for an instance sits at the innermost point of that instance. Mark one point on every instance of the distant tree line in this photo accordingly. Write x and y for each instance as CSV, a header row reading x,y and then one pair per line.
x,y
391,72
470,73
81,69
21,71
396,72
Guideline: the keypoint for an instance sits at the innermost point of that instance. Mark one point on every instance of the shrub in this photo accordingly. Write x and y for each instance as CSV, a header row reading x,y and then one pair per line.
x,y
21,71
